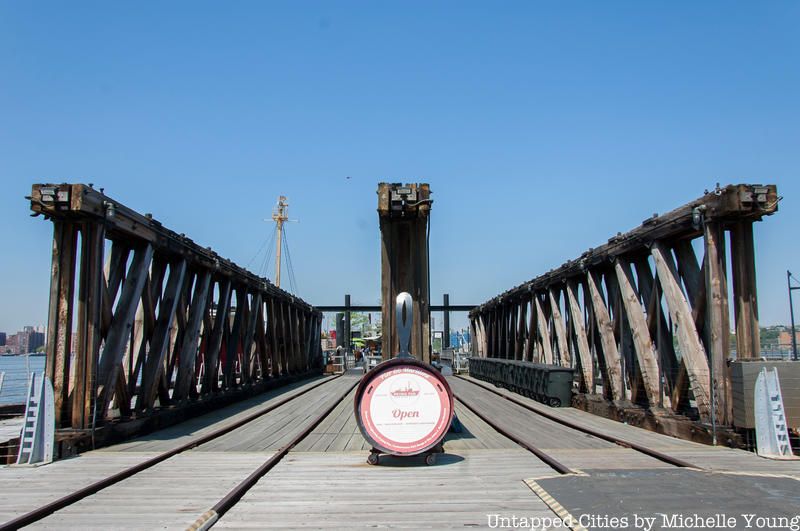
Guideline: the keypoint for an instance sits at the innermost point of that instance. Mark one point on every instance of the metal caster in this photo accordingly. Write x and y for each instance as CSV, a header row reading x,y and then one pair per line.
x,y
554,402
373,459
430,459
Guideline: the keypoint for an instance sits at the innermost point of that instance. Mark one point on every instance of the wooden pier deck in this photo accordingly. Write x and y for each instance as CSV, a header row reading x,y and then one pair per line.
x,y
715,458
324,480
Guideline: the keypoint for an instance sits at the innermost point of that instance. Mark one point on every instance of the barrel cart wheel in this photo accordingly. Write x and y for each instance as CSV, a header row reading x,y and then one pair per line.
x,y
430,458
554,402
373,458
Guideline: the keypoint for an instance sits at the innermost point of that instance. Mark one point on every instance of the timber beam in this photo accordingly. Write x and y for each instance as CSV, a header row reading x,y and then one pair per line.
x,y
643,316
159,321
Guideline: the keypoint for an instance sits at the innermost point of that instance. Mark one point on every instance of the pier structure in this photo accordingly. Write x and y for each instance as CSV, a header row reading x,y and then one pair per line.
x,y
195,398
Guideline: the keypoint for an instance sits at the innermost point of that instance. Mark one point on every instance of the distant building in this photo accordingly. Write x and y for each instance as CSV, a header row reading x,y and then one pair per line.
x,y
23,342
2,339
785,339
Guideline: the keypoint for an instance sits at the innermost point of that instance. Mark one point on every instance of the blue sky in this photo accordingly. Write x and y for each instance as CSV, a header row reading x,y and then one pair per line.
x,y
542,127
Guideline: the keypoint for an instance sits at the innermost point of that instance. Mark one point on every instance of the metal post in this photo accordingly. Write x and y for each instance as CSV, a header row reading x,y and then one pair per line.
x,y
446,329
791,313
347,324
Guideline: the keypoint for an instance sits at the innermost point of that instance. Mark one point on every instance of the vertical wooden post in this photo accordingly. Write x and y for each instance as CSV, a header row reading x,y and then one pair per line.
x,y
504,332
89,322
272,323
718,319
748,340
495,345
511,334
286,338
297,352
522,310
59,321
403,212
306,322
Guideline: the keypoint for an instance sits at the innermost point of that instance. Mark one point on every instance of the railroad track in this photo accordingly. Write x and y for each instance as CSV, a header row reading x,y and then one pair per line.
x,y
550,460
207,519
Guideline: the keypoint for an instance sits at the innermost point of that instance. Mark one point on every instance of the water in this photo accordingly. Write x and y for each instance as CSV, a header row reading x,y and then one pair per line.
x,y
17,371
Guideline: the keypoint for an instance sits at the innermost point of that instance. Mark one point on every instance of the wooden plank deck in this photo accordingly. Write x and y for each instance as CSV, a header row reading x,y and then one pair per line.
x,y
10,428
192,480
325,481
541,432
171,495
716,458
340,491
26,488
279,426
174,436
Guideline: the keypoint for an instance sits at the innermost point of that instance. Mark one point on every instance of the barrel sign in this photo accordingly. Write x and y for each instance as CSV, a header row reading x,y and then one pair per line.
x,y
405,409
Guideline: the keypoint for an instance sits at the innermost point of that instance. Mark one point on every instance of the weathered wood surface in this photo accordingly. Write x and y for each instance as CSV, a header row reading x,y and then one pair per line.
x,y
717,458
278,427
579,334
336,488
618,333
405,265
605,328
170,495
745,299
174,436
151,358
26,488
339,490
10,428
643,345
692,351
560,327
540,432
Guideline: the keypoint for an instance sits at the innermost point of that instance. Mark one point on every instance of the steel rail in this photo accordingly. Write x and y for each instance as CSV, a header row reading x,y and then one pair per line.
x,y
74,497
589,431
210,517
554,463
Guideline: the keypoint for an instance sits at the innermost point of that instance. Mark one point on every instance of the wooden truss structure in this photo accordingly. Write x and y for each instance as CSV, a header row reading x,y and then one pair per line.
x,y
645,317
142,318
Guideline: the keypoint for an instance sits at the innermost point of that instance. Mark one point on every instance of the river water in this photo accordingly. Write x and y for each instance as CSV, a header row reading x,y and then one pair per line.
x,y
17,371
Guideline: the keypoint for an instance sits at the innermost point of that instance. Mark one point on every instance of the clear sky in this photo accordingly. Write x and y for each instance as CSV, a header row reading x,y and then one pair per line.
x,y
542,127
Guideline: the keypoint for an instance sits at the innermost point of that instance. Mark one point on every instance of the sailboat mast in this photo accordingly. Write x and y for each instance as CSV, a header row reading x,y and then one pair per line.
x,y
279,214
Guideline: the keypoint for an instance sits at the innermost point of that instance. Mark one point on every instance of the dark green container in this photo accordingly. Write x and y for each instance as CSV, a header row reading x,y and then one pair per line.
x,y
549,384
